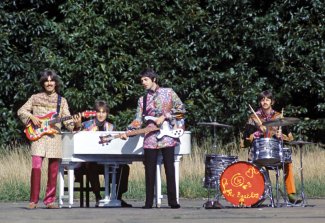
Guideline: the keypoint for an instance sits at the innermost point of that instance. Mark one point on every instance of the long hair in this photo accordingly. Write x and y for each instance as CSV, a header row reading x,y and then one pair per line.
x,y
44,77
101,104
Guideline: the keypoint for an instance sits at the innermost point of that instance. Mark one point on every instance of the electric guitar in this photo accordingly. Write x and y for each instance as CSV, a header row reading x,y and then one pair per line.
x,y
164,129
34,133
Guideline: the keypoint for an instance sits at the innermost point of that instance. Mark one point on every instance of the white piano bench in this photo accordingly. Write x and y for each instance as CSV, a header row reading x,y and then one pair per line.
x,y
83,188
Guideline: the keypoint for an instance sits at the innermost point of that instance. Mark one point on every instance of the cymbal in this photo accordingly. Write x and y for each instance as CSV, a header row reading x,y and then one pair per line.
x,y
214,124
282,122
299,142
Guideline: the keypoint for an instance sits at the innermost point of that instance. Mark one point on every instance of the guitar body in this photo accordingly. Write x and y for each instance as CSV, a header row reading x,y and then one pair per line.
x,y
165,129
34,133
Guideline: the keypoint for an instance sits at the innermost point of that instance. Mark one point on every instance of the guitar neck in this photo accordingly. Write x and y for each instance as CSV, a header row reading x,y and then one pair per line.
x,y
141,131
57,120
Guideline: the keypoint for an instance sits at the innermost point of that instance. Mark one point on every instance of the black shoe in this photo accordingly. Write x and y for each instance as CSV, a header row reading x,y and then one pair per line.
x,y
146,207
175,206
217,205
293,199
125,205
208,205
98,198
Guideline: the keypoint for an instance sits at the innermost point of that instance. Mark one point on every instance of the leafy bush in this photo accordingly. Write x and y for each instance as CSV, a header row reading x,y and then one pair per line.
x,y
217,55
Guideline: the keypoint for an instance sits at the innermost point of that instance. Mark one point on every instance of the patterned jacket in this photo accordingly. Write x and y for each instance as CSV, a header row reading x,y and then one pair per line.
x,y
40,104
90,125
163,101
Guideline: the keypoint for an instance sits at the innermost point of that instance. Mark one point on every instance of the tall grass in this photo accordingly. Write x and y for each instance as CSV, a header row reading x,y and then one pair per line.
x,y
15,168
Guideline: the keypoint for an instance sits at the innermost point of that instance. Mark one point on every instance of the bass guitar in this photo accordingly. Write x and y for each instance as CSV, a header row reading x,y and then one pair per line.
x,y
34,133
164,130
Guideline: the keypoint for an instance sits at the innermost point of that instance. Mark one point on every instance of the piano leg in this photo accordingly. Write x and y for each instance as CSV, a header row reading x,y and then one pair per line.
x,y
106,173
176,164
158,195
61,185
71,183
110,200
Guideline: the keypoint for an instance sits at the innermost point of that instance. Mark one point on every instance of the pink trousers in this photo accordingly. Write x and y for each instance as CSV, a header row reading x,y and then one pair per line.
x,y
35,180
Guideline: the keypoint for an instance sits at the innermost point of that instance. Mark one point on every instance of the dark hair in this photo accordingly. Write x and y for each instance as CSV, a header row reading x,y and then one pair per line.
x,y
149,73
101,104
266,94
50,73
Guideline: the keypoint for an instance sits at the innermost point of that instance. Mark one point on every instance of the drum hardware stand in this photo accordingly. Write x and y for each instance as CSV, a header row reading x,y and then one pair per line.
x,y
216,204
213,204
302,178
278,191
300,145
217,195
285,194
277,185
269,189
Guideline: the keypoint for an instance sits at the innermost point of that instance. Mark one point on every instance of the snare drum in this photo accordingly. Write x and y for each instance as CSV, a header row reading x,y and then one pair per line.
x,y
266,151
243,184
214,165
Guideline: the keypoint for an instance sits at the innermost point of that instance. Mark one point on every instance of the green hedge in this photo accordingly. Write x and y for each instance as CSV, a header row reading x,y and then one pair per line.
x,y
217,55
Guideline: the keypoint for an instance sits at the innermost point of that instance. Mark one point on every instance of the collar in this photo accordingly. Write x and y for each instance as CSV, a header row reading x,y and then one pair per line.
x,y
51,94
264,115
98,123
153,91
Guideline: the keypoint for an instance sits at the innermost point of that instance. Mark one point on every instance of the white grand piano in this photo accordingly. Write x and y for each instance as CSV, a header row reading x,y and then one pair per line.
x,y
84,147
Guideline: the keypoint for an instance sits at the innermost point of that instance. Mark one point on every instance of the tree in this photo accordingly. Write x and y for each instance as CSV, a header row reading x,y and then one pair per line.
x,y
217,55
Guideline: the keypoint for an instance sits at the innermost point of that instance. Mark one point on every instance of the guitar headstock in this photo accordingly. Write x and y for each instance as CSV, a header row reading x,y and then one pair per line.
x,y
105,139
88,114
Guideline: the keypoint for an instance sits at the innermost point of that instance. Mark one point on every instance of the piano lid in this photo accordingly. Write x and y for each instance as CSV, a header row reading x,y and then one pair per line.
x,y
87,142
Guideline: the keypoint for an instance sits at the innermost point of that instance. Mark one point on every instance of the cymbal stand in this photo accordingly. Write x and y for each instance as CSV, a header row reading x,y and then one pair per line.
x,y
214,146
302,178
209,203
277,186
284,174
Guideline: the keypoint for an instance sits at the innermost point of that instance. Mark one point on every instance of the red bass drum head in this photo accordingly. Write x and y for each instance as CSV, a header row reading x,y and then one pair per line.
x,y
242,184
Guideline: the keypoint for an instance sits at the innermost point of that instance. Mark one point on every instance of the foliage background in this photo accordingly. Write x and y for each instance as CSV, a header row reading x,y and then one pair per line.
x,y
217,55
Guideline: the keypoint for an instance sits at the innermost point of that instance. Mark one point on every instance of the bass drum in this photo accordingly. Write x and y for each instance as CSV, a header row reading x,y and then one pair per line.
x,y
243,184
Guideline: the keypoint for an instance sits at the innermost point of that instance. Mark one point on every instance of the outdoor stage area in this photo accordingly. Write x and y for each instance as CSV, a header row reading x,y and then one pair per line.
x,y
191,211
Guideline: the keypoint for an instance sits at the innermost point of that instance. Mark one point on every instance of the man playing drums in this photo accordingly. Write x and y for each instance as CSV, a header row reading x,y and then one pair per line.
x,y
255,131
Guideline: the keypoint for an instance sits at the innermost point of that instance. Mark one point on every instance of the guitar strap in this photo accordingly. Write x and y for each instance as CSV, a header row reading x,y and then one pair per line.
x,y
58,105
144,110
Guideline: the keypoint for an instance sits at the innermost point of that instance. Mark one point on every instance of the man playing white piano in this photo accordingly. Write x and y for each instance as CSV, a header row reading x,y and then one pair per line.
x,y
92,168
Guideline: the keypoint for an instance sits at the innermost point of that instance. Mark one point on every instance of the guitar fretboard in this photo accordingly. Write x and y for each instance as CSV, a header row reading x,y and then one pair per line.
x,y
141,131
137,132
57,120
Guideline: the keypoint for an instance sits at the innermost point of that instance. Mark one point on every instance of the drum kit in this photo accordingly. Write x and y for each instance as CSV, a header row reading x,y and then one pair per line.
x,y
247,184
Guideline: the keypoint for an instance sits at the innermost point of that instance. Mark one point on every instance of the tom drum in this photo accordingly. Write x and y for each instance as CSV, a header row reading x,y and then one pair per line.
x,y
214,166
266,151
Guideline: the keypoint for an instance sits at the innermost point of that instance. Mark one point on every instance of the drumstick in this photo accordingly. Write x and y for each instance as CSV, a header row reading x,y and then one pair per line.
x,y
258,119
281,117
